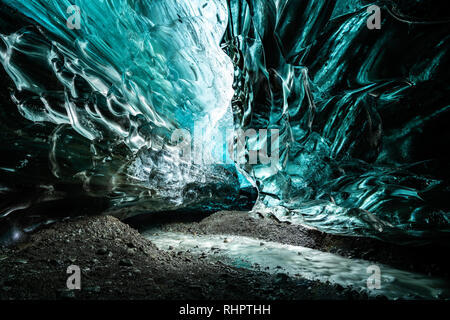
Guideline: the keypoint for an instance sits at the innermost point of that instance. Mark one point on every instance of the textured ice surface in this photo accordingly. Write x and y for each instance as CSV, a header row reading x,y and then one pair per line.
x,y
111,93
363,114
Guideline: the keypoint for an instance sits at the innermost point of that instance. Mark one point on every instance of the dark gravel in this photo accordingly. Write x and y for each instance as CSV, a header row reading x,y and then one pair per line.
x,y
118,263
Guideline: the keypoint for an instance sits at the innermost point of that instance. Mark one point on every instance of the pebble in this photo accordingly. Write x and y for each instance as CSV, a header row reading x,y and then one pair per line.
x,y
21,261
125,263
102,251
131,251
137,271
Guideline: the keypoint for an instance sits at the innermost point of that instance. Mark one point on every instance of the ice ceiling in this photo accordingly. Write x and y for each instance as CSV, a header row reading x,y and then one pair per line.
x,y
87,114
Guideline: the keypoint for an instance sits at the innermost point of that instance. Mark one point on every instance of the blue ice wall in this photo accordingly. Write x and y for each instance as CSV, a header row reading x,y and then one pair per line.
x,y
362,114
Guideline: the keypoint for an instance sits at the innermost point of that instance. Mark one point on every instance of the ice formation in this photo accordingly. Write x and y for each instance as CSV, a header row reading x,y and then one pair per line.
x,y
88,113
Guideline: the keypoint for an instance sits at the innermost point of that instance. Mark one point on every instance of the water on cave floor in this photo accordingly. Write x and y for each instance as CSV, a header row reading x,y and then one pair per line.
x,y
300,262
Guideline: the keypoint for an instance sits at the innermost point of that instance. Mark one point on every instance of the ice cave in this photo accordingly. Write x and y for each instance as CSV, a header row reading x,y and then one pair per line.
x,y
328,119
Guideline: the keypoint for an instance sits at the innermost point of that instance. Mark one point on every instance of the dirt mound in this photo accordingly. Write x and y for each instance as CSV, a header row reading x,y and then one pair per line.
x,y
116,262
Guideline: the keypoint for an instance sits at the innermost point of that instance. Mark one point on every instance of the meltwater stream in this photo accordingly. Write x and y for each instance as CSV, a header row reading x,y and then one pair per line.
x,y
297,261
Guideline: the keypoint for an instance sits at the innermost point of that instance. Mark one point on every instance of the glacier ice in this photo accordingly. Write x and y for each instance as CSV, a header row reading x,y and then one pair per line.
x,y
109,94
361,114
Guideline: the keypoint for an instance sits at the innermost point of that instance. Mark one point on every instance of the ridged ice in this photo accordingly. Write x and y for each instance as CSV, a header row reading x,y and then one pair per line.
x,y
362,114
